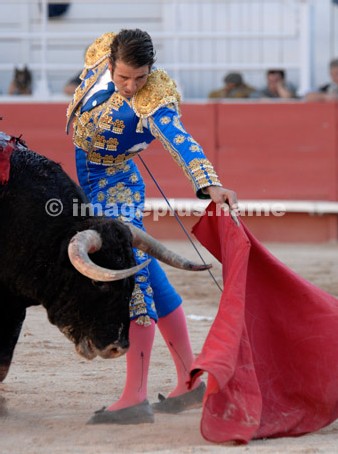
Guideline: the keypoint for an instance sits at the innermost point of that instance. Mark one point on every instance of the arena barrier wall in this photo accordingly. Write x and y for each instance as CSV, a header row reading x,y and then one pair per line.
x,y
281,158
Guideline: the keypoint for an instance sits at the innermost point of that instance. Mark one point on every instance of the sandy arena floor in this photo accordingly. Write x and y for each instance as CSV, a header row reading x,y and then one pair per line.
x,y
50,392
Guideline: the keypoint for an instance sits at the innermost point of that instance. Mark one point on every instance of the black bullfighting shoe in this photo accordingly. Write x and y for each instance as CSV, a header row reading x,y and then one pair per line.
x,y
137,414
186,401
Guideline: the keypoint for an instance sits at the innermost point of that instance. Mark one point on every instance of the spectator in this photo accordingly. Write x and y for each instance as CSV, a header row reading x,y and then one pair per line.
x,y
276,86
72,84
329,91
234,87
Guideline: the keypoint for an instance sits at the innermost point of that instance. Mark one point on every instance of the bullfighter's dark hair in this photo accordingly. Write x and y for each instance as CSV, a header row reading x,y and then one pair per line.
x,y
133,47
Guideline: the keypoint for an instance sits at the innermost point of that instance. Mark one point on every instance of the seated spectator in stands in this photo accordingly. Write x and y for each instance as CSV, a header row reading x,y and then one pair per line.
x,y
234,87
21,83
71,85
276,86
329,91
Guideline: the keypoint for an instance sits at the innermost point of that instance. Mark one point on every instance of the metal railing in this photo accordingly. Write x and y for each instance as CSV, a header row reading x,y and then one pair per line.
x,y
300,34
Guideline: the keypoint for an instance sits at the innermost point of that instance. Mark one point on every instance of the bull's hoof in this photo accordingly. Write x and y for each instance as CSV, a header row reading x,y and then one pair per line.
x,y
137,414
186,401
4,368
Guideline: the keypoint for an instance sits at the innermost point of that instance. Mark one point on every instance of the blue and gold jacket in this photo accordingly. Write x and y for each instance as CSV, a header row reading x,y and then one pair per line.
x,y
116,129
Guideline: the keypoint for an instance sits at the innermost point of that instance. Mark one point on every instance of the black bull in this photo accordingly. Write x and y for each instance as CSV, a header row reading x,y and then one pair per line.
x,y
44,260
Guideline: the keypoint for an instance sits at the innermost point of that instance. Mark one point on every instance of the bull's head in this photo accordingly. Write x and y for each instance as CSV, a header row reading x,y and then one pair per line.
x,y
110,290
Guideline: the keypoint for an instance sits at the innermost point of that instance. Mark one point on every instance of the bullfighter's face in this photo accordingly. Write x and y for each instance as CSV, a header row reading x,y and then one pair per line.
x,y
127,79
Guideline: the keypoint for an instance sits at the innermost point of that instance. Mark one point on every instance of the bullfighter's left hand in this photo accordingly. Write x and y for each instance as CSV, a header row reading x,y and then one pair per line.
x,y
221,195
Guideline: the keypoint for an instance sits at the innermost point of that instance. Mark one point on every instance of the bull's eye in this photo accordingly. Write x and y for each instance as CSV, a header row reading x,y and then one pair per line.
x,y
103,286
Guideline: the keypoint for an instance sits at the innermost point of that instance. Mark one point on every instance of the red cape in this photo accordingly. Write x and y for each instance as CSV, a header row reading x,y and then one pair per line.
x,y
272,352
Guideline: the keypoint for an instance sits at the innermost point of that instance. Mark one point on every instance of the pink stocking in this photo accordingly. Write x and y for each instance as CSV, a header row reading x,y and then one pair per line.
x,y
174,330
138,357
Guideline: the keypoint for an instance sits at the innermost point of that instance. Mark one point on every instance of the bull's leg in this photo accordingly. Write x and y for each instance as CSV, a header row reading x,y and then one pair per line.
x,y
12,316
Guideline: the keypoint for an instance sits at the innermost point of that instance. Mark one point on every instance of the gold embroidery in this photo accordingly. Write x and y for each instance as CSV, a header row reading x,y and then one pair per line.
x,y
199,171
95,60
160,90
82,90
179,138
112,144
203,172
108,160
121,193
116,101
144,320
81,131
118,126
140,254
84,118
141,278
100,196
106,121
111,200
138,214
165,120
98,50
99,142
133,178
120,197
94,156
138,308
194,148
112,170
103,182
91,125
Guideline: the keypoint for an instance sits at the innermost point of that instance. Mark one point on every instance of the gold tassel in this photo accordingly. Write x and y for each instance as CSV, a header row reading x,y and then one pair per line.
x,y
139,127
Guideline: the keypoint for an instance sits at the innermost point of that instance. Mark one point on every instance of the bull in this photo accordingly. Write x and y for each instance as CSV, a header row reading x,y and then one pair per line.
x,y
79,268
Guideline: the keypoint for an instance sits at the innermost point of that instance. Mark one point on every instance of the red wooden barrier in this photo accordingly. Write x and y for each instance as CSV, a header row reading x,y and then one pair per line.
x,y
278,151
42,126
262,150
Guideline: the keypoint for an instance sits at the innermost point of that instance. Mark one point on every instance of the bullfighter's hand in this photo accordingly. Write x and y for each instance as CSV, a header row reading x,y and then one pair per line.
x,y
221,195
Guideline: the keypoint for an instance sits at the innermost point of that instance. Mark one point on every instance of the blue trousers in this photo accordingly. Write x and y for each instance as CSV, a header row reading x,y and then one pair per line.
x,y
118,191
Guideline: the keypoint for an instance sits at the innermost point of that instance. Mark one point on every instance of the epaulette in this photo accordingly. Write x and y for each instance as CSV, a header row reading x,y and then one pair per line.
x,y
160,90
95,60
98,51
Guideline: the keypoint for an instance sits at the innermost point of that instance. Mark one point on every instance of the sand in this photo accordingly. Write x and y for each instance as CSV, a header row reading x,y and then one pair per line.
x,y
50,392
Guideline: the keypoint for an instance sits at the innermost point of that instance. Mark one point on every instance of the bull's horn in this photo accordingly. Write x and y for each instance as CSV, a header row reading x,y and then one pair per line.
x,y
146,243
89,241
